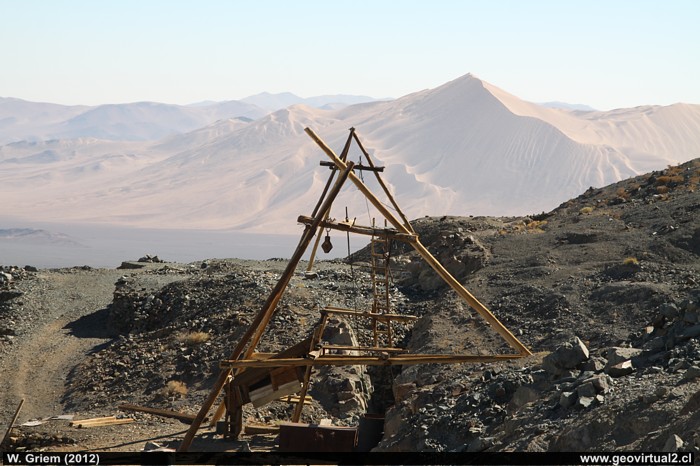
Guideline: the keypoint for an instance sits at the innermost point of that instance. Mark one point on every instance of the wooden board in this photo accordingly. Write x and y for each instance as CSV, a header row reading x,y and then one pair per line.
x,y
187,418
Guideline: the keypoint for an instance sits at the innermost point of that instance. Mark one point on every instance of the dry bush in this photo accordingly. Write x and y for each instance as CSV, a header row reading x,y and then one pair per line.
x,y
174,389
630,261
673,170
662,189
622,193
663,179
586,210
193,338
535,226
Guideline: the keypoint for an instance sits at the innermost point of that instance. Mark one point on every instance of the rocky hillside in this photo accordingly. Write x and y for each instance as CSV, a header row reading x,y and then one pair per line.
x,y
603,289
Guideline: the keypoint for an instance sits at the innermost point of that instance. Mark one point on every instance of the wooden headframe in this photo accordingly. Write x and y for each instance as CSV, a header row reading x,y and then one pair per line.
x,y
240,358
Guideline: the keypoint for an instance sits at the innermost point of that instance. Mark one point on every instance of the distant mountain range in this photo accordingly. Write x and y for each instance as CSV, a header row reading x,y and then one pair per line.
x,y
464,148
141,121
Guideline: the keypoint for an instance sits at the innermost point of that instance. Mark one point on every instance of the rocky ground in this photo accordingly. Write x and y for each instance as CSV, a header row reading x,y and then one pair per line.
x,y
604,290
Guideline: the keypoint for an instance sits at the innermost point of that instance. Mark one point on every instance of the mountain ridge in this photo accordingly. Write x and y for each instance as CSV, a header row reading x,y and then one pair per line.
x,y
463,148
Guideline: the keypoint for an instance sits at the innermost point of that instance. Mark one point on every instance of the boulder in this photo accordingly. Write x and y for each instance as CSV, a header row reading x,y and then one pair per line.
x,y
566,357
586,390
567,399
674,443
620,360
692,373
621,369
585,401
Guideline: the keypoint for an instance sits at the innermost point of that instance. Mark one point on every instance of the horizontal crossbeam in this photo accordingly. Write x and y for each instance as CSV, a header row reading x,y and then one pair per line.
x,y
349,360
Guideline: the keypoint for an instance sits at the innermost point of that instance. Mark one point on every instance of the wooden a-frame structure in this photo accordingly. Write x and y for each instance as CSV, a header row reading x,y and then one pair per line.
x,y
247,376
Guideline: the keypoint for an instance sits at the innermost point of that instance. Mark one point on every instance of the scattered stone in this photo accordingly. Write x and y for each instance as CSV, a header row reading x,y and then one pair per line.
x,y
594,364
669,310
585,402
616,355
674,443
567,399
692,373
621,369
586,390
567,356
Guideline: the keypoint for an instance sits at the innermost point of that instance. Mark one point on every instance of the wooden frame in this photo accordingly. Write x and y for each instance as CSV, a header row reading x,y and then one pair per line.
x,y
244,356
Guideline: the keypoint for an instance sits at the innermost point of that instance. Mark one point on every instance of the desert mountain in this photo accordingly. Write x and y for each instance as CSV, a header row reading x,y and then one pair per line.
x,y
274,102
464,148
140,121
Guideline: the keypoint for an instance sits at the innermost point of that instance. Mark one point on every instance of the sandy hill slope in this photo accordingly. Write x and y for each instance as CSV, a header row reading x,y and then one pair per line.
x,y
464,148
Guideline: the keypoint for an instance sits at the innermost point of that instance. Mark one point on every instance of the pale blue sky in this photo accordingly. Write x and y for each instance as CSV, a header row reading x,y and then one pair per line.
x,y
606,54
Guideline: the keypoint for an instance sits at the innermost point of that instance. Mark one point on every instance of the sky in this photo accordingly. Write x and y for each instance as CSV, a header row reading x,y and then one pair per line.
x,y
601,53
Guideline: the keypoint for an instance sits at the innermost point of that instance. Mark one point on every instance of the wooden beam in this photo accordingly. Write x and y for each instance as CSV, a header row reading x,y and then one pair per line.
x,y
470,299
188,418
92,420
360,167
12,422
360,185
407,224
369,315
398,360
374,349
100,422
360,229
343,156
257,327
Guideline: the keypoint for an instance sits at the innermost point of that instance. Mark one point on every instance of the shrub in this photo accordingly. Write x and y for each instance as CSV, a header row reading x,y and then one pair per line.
x,y
536,226
174,389
586,210
630,261
662,189
622,193
193,338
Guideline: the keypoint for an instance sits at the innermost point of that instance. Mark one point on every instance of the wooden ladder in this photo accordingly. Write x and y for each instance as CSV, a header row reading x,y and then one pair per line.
x,y
379,251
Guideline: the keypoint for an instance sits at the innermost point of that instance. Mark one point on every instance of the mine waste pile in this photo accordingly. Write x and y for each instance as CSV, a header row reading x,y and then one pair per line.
x,y
604,290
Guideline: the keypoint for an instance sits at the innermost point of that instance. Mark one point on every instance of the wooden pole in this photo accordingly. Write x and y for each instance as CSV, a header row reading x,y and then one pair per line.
x,y
469,298
360,185
407,224
261,320
12,423
454,284
343,156
318,335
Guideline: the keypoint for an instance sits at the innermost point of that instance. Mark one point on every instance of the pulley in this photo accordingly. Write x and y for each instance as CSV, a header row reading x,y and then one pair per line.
x,y
327,245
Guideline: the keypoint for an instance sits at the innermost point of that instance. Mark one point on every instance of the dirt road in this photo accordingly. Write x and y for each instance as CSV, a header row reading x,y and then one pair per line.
x,y
60,318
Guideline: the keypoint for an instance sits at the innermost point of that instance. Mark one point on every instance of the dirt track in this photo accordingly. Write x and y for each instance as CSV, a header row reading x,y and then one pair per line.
x,y
64,319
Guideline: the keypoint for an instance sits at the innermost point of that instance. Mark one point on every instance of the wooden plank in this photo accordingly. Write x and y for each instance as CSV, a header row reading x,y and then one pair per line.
x,y
359,229
398,360
253,429
188,418
295,399
369,315
92,420
104,422
251,377
375,349
264,398
12,422
357,167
